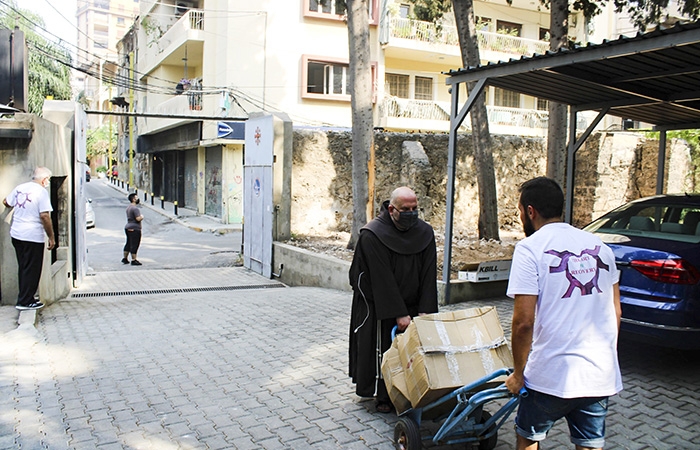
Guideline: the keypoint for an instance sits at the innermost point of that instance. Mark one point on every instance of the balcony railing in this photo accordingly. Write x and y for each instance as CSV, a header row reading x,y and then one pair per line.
x,y
488,41
193,19
501,116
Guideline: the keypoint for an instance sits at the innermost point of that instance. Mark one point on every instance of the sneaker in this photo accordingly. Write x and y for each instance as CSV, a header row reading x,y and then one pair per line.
x,y
136,262
30,307
125,261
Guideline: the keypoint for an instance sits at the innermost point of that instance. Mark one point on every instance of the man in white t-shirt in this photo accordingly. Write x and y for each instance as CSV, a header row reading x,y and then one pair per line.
x,y
566,320
31,220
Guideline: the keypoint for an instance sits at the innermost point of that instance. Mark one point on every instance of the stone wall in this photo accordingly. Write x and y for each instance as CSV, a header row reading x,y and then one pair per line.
x,y
611,168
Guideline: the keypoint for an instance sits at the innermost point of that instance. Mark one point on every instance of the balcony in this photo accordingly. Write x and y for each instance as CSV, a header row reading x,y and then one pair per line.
x,y
185,38
426,36
424,115
192,102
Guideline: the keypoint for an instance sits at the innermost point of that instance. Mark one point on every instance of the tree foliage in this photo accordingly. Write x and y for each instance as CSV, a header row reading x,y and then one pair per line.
x,y
430,10
46,76
98,141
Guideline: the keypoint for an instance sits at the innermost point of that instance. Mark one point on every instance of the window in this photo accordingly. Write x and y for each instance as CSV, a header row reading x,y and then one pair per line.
x,y
542,104
424,88
397,85
507,98
102,4
510,28
327,78
404,9
335,9
327,7
544,34
120,21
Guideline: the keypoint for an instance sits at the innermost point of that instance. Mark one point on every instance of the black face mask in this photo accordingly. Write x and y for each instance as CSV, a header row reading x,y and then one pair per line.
x,y
407,219
138,201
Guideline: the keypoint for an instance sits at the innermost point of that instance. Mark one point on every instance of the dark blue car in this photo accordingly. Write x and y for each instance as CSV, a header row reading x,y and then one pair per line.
x,y
656,241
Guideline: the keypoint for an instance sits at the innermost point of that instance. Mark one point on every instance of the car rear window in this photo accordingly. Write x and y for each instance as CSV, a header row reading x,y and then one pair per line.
x,y
669,222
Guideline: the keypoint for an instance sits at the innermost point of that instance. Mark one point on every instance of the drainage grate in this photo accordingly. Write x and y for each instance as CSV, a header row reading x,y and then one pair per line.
x,y
175,291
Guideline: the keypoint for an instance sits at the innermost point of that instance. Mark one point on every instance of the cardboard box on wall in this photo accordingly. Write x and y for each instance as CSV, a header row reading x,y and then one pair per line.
x,y
395,379
444,351
485,271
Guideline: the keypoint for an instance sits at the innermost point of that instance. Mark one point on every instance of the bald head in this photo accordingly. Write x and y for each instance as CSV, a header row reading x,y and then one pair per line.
x,y
403,195
403,202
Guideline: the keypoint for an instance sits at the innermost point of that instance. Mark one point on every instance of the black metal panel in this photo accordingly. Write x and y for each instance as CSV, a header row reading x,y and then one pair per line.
x,y
183,137
652,78
13,69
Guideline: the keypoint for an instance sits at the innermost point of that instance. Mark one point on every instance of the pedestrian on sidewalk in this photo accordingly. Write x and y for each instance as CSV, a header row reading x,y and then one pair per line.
x,y
31,220
566,319
132,230
394,278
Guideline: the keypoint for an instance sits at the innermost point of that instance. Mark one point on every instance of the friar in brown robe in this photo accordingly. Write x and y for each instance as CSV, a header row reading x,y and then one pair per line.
x,y
394,278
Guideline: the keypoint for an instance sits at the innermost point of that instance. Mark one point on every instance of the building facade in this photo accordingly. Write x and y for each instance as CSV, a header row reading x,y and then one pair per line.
x,y
199,67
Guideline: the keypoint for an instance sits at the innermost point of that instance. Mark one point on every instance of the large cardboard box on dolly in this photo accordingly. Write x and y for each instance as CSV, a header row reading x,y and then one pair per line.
x,y
444,351
395,379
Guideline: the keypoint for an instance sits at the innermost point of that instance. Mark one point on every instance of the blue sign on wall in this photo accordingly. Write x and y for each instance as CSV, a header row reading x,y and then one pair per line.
x,y
230,130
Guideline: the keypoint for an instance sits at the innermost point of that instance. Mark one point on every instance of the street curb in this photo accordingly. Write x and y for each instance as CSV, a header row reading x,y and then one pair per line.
x,y
173,217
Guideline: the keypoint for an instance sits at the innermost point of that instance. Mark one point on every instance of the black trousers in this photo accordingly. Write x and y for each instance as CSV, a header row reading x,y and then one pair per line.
x,y
133,240
30,259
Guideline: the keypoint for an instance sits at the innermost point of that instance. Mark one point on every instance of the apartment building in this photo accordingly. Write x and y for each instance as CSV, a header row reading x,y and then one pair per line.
x,y
101,24
209,63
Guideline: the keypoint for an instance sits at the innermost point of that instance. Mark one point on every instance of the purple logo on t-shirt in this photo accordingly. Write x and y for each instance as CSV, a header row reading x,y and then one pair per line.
x,y
581,270
22,198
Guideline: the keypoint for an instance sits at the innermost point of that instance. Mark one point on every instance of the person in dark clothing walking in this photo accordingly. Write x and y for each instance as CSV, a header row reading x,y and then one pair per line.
x,y
394,278
132,230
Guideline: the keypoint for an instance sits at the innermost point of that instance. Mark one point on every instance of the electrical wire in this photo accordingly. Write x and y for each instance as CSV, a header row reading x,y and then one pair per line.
x,y
121,81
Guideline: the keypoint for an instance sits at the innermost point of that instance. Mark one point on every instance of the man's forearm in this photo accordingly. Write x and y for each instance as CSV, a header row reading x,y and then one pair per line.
x,y
48,225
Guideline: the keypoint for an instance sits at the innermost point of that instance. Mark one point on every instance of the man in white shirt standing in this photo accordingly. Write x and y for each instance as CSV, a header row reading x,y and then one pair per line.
x,y
31,219
566,319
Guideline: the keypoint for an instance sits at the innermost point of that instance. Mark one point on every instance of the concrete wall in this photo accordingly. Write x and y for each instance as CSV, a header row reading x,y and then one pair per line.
x,y
295,266
50,147
611,169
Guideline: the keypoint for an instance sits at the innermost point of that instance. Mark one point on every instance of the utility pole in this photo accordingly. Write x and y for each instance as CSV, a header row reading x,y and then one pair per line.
x,y
131,119
109,148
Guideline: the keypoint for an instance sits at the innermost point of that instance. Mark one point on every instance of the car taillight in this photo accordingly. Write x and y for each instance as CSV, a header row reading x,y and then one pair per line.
x,y
674,271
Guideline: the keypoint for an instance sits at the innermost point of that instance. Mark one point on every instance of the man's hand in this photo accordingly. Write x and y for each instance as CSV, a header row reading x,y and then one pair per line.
x,y
514,383
403,322
52,243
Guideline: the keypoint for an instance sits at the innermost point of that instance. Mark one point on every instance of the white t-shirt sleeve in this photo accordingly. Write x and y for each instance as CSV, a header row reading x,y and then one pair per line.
x,y
523,279
45,202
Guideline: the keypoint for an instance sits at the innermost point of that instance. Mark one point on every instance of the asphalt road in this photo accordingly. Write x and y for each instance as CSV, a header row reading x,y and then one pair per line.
x,y
165,243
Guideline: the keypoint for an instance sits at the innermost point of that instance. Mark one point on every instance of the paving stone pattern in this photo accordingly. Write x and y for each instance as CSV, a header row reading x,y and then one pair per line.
x,y
252,369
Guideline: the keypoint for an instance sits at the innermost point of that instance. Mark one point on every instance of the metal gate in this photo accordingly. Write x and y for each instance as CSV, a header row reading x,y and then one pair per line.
x,y
257,194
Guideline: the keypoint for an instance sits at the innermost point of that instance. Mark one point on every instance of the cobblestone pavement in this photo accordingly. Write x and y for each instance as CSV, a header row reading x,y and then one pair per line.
x,y
249,366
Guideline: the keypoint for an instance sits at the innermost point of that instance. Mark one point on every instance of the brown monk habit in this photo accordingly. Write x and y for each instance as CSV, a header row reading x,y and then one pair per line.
x,y
393,274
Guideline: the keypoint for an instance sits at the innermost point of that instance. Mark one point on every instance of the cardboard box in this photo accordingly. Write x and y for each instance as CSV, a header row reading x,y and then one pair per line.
x,y
485,271
395,379
444,351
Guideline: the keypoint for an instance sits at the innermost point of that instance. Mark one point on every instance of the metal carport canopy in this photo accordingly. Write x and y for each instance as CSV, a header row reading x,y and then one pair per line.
x,y
652,78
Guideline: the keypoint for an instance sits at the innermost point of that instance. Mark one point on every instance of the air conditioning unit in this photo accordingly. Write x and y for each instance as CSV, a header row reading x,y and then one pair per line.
x,y
182,7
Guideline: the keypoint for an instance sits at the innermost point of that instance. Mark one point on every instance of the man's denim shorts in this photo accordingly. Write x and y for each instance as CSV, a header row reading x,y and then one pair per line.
x,y
538,412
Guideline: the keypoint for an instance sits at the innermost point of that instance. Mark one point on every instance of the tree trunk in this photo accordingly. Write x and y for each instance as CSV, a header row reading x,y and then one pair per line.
x,y
556,134
483,158
362,119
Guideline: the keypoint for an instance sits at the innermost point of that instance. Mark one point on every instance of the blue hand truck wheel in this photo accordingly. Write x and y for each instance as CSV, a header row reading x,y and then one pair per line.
x,y
407,435
490,443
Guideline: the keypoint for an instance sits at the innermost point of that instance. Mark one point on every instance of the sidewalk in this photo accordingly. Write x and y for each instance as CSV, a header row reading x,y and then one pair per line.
x,y
184,216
